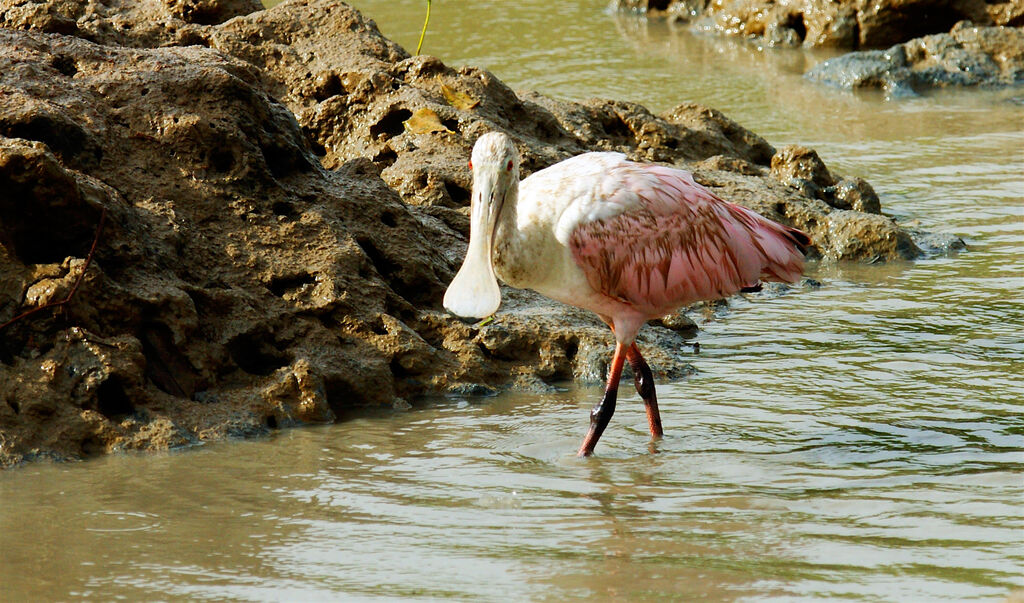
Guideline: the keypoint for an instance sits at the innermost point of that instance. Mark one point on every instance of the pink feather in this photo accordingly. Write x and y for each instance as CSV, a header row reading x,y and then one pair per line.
x,y
679,243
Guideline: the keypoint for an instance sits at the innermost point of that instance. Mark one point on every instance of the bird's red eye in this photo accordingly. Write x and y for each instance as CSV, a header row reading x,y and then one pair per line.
x,y
509,166
471,164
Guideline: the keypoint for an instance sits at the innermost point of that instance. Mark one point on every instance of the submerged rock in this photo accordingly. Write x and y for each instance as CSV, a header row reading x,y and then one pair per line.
x,y
277,238
966,56
849,24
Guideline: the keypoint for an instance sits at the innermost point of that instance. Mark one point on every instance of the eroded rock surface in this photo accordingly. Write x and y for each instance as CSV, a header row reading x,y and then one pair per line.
x,y
850,24
966,56
276,240
230,263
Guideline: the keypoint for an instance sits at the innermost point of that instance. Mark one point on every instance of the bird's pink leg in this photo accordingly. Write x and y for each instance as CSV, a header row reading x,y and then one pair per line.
x,y
645,387
602,413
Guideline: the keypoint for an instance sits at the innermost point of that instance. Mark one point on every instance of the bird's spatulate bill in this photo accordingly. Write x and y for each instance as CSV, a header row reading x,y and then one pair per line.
x,y
474,291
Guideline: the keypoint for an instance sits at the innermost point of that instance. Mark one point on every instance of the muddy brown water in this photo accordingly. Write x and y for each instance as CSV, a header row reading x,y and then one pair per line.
x,y
861,440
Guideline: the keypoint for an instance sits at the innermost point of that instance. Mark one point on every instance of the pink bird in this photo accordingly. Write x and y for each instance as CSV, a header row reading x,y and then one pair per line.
x,y
628,241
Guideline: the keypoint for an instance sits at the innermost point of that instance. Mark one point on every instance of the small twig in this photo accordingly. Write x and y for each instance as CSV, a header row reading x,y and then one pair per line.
x,y
424,32
74,288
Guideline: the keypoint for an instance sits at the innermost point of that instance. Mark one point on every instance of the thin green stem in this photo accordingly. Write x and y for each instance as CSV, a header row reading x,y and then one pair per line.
x,y
424,32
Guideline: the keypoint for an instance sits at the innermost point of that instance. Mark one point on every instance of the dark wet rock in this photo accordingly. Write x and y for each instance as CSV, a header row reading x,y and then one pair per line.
x,y
849,24
853,193
933,243
966,56
801,163
837,234
472,390
802,169
277,240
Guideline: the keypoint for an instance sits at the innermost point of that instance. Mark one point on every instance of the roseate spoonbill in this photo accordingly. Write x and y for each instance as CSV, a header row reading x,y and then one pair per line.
x,y
627,241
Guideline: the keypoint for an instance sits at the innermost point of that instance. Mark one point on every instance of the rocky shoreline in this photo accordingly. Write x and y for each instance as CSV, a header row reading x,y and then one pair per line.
x,y
902,47
278,230
966,56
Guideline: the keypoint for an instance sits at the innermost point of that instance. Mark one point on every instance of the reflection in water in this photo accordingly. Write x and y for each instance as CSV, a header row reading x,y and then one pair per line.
x,y
863,439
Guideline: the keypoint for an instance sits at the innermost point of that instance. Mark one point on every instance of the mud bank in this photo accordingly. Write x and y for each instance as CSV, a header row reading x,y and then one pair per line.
x,y
277,234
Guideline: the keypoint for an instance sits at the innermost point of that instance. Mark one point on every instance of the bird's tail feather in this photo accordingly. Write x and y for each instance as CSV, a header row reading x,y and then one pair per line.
x,y
783,247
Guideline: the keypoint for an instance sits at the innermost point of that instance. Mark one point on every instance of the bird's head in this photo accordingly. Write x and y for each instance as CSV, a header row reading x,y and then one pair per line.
x,y
495,164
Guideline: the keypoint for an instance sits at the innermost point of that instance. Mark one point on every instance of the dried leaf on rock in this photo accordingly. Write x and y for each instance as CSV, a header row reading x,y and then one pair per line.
x,y
459,100
424,121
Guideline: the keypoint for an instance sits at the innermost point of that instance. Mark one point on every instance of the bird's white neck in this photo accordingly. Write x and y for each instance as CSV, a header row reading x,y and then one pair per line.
x,y
507,239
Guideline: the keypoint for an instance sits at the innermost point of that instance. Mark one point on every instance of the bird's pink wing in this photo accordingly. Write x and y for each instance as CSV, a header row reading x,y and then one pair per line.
x,y
674,242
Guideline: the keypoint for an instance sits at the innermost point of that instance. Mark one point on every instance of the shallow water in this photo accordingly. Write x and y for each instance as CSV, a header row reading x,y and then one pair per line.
x,y
862,440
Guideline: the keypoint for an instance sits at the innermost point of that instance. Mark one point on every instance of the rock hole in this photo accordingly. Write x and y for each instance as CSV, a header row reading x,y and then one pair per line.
x,y
451,124
571,349
341,396
64,64
93,446
388,219
364,270
614,126
284,208
328,85
46,230
780,208
458,194
385,266
14,406
378,327
930,20
318,149
284,159
912,22
112,402
165,366
397,370
193,38
282,285
255,355
221,160
390,125
270,421
796,23
419,288
207,13
658,4
64,137
385,158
